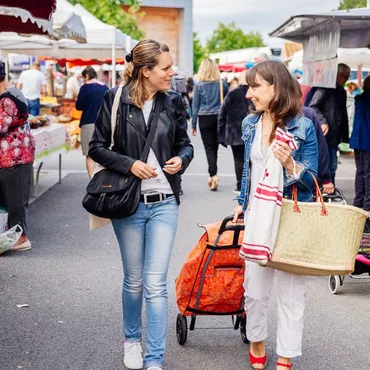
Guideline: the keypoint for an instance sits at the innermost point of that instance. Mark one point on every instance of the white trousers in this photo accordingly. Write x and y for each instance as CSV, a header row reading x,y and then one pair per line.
x,y
290,307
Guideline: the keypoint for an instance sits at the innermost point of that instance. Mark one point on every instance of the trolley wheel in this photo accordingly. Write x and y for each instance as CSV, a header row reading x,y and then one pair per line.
x,y
243,329
181,329
334,283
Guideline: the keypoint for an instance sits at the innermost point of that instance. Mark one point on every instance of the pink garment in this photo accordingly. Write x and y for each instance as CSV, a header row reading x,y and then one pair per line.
x,y
95,81
265,208
17,144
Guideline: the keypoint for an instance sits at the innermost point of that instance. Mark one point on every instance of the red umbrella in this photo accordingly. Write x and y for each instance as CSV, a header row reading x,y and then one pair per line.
x,y
26,16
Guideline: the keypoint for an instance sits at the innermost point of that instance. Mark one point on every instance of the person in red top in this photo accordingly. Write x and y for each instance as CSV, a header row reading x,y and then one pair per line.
x,y
17,153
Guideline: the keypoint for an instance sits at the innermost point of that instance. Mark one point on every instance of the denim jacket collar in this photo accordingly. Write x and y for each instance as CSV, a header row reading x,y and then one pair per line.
x,y
252,122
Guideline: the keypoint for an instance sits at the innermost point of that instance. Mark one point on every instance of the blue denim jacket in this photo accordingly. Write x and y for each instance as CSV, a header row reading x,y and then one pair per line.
x,y
306,155
206,99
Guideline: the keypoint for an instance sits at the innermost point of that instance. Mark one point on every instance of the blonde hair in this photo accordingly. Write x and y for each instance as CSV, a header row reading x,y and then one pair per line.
x,y
242,80
351,86
145,54
208,71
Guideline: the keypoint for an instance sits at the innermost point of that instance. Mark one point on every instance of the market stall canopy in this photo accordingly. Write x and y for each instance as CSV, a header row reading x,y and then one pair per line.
x,y
354,27
27,16
232,67
102,39
83,62
66,24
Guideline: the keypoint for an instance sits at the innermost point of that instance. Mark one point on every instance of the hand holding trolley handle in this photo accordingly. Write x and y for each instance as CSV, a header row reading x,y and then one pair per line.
x,y
238,215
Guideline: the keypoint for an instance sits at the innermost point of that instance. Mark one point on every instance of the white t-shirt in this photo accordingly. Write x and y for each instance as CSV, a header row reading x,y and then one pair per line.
x,y
257,159
31,81
72,88
160,182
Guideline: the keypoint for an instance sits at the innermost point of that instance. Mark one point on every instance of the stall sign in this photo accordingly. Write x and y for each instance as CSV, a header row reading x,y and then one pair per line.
x,y
320,60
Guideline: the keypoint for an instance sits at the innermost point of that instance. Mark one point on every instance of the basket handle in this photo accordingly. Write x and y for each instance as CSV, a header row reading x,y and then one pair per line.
x,y
296,208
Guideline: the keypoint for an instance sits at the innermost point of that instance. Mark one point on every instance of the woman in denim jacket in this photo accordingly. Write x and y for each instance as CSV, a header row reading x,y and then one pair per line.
x,y
206,105
276,98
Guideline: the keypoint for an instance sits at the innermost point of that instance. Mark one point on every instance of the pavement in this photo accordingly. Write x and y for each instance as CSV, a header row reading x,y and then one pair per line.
x,y
71,280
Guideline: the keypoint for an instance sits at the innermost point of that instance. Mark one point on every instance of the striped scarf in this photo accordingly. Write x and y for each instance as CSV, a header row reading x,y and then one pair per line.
x,y
265,208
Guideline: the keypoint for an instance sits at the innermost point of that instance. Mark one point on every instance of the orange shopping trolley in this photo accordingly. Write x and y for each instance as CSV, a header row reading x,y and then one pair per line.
x,y
211,279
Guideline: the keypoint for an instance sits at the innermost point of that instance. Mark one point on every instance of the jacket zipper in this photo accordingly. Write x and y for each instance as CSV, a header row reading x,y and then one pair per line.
x,y
137,129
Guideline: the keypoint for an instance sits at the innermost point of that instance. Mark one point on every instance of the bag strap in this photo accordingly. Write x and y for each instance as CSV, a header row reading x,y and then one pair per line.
x,y
113,121
157,110
296,208
221,92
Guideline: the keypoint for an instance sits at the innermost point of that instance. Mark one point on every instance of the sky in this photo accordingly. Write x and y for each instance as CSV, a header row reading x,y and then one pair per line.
x,y
253,15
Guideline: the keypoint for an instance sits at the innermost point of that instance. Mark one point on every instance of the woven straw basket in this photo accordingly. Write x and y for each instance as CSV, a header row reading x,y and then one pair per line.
x,y
318,239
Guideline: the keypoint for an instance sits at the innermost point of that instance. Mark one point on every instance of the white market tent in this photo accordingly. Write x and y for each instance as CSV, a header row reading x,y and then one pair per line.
x,y
67,24
103,41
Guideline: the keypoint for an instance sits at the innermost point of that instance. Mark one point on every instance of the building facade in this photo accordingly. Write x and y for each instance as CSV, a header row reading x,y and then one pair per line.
x,y
171,22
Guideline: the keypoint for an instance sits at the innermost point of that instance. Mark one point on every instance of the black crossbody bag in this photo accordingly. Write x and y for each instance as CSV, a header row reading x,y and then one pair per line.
x,y
111,194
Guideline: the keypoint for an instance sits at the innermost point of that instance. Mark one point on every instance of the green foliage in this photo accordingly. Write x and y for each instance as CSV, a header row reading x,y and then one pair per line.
x,y
110,12
229,37
199,52
351,4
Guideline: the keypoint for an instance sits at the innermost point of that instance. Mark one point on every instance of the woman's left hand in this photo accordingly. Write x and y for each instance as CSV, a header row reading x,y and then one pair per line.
x,y
173,165
283,153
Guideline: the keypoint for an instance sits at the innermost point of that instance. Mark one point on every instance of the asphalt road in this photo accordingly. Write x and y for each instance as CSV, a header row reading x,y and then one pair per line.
x,y
72,278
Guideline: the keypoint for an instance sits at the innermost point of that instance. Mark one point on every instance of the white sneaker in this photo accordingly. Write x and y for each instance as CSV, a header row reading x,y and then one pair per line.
x,y
133,358
154,368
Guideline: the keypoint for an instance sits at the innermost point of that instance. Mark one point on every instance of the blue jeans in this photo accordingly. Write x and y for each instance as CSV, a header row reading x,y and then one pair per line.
x,y
145,240
34,107
333,158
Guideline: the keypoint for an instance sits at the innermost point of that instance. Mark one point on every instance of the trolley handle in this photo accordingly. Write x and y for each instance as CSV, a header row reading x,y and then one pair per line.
x,y
233,227
338,194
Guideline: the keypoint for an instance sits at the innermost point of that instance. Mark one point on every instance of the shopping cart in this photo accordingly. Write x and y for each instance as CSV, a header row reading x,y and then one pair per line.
x,y
362,264
211,280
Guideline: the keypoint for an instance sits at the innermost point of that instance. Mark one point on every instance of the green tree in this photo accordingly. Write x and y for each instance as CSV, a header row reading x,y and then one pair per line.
x,y
351,4
199,52
111,12
229,37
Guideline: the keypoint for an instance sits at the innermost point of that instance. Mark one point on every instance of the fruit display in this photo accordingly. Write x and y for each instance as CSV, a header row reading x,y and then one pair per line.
x,y
64,118
73,130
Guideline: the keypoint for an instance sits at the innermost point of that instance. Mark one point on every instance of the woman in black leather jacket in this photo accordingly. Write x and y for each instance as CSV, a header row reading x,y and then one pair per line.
x,y
146,238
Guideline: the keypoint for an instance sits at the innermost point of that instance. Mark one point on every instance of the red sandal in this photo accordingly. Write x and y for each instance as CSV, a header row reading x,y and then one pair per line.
x,y
289,366
257,361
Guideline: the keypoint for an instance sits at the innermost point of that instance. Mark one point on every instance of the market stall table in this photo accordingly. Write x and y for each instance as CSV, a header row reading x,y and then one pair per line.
x,y
50,141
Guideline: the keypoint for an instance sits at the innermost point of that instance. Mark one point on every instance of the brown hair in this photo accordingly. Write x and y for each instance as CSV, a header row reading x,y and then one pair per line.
x,y
90,72
366,84
144,54
286,102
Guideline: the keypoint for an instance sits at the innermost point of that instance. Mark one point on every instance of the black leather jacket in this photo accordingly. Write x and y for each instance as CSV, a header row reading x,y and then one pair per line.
x,y
170,140
233,110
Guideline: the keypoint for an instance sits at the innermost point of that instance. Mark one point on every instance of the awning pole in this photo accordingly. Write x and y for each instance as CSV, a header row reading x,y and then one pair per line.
x,y
114,59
